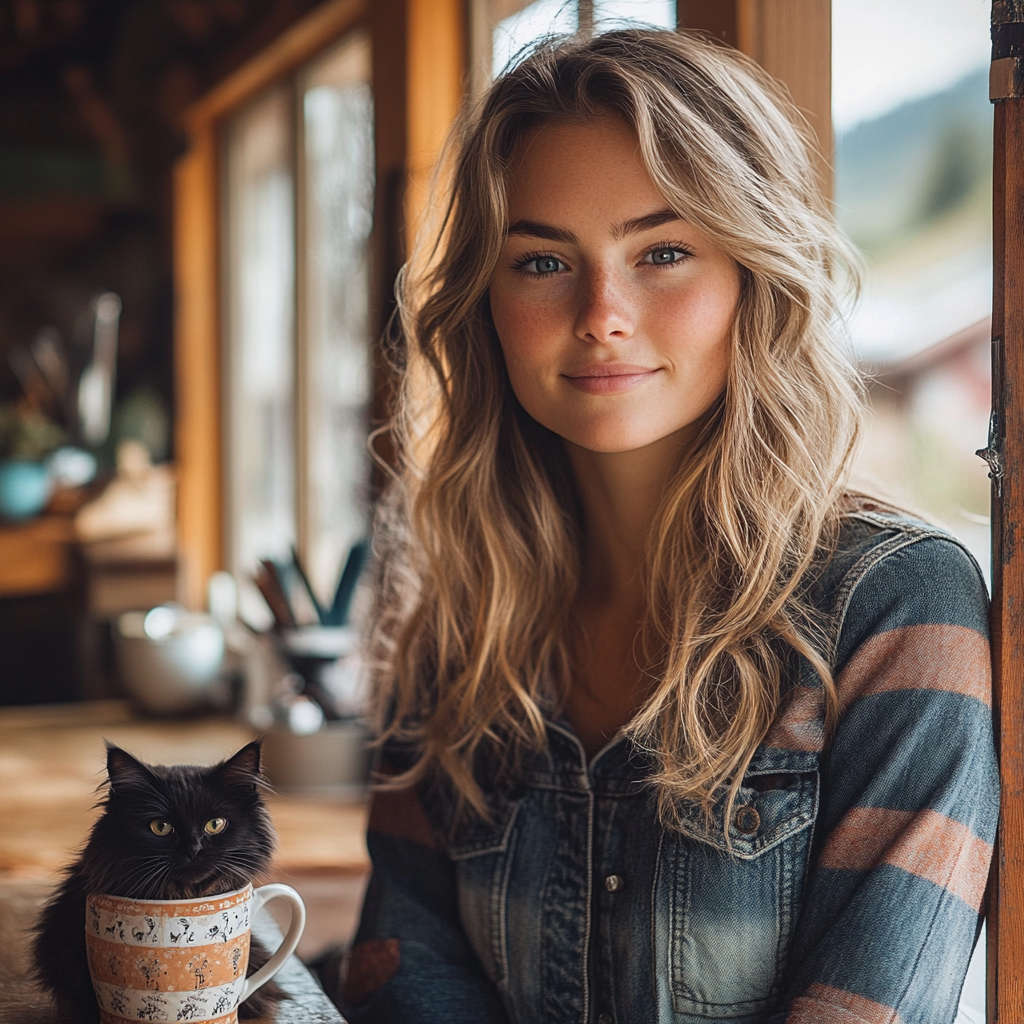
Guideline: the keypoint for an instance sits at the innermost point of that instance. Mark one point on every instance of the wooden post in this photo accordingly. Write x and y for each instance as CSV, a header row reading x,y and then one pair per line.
x,y
420,70
790,39
1005,455
197,434
436,71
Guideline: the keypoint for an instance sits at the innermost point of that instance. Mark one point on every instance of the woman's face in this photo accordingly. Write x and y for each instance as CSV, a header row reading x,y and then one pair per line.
x,y
613,314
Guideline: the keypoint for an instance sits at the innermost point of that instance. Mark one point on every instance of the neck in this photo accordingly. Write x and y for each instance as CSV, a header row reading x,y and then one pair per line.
x,y
620,493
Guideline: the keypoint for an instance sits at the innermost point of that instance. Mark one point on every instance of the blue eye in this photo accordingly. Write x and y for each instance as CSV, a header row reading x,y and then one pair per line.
x,y
664,255
541,266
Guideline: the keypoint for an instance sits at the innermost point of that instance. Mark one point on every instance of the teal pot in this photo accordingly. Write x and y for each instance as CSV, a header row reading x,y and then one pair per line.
x,y
24,488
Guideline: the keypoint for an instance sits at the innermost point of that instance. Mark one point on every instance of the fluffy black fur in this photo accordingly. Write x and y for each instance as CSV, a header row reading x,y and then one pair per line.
x,y
123,857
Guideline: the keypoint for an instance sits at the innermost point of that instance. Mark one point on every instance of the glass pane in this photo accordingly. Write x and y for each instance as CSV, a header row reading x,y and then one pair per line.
x,y
518,30
516,25
337,111
913,189
260,278
610,14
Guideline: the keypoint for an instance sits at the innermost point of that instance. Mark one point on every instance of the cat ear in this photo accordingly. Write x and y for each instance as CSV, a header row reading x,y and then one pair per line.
x,y
123,769
243,766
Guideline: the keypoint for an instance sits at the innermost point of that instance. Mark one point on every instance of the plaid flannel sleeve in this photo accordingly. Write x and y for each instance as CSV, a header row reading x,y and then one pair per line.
x,y
909,802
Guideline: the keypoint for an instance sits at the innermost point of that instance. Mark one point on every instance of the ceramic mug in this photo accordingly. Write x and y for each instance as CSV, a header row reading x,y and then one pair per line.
x,y
174,960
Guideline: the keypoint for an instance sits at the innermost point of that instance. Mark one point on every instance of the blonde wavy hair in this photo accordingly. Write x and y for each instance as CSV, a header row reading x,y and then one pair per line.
x,y
480,540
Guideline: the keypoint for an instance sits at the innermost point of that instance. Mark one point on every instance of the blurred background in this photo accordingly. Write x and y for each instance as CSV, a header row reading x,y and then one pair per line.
x,y
203,204
913,189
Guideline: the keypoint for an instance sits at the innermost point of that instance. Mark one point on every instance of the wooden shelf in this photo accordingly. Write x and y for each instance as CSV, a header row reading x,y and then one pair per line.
x,y
35,557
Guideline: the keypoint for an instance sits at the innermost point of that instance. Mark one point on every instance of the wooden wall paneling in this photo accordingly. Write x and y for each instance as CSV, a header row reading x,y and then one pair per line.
x,y
1006,446
197,366
790,39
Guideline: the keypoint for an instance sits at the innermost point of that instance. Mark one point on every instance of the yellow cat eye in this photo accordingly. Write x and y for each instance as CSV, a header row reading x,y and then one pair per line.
x,y
215,825
160,828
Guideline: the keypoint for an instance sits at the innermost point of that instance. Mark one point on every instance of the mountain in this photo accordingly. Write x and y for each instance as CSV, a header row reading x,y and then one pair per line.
x,y
897,174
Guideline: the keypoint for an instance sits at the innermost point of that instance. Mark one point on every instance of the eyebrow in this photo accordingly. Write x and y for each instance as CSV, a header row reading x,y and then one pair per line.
x,y
536,229
645,223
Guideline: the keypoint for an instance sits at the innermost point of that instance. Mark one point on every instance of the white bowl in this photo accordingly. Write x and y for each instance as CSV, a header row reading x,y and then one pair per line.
x,y
333,762
172,674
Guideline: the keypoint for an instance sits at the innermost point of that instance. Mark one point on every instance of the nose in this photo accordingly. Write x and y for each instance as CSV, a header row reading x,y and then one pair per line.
x,y
606,312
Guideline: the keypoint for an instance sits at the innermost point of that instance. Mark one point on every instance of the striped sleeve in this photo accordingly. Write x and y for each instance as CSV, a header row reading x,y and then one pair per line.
x,y
909,799
411,960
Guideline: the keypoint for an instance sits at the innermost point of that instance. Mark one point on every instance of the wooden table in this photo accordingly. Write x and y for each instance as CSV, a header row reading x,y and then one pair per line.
x,y
52,760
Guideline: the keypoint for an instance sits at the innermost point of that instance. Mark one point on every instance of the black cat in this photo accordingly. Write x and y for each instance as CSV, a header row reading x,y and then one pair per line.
x,y
178,832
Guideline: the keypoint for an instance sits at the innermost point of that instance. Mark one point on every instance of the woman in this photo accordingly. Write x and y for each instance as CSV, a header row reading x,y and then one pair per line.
x,y
675,729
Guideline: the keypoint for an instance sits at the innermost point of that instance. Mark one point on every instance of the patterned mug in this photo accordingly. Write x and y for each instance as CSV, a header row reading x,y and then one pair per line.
x,y
174,960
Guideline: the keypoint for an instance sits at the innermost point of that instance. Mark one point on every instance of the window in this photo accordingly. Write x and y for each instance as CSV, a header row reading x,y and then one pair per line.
x,y
914,191
298,198
512,25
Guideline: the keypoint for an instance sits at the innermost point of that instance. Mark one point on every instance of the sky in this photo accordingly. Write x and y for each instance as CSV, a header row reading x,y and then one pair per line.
x,y
873,67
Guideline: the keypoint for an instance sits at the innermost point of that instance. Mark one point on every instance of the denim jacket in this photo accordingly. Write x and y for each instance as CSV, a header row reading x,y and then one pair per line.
x,y
850,890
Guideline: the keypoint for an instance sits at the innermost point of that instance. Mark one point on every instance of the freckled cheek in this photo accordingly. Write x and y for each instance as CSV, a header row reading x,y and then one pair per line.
x,y
701,325
527,333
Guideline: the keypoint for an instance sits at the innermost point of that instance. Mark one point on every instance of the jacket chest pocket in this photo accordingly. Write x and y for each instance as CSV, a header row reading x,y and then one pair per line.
x,y
726,917
482,854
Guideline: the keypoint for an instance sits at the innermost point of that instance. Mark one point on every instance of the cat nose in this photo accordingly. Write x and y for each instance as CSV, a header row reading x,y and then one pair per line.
x,y
195,850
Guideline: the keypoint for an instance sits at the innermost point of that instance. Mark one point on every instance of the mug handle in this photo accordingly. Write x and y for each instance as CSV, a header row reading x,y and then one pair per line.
x,y
260,896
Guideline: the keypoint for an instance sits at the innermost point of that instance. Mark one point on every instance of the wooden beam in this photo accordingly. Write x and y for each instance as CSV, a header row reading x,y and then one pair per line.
x,y
715,17
197,432
420,68
303,41
1006,884
388,32
436,77
791,40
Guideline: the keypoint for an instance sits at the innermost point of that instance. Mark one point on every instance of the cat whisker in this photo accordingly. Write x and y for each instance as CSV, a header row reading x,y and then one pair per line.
x,y
142,875
112,878
147,886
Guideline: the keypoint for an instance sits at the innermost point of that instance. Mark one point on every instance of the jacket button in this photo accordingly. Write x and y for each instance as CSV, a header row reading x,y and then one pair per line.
x,y
747,820
613,883
605,1018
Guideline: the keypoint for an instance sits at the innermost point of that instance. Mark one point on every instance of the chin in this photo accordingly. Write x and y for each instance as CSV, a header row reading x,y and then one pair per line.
x,y
614,439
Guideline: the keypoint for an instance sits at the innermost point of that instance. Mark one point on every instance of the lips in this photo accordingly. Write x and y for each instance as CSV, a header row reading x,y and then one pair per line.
x,y
609,378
